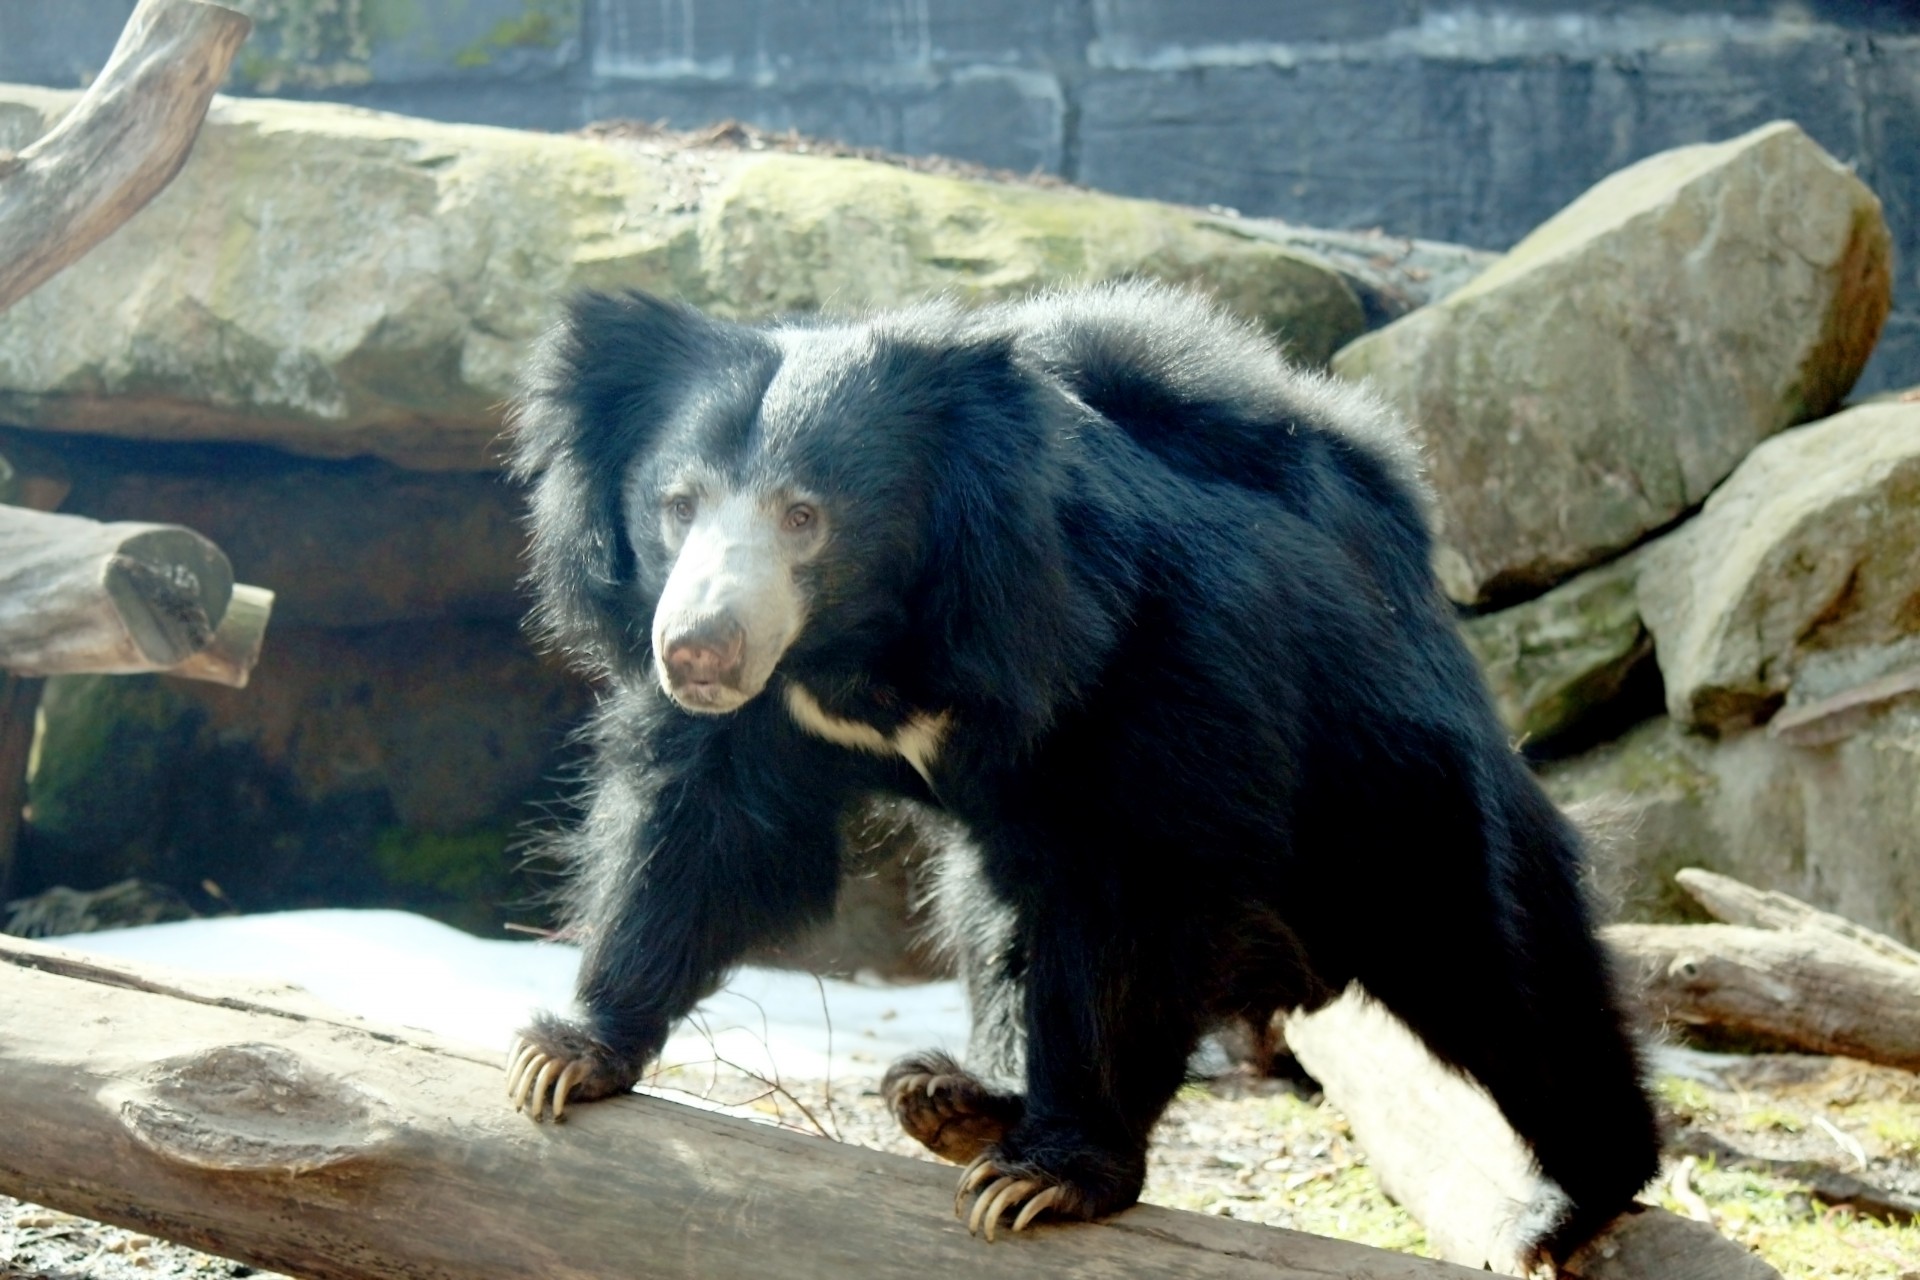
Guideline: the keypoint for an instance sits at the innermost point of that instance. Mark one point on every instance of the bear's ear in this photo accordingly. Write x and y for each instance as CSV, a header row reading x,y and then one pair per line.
x,y
599,381
593,398
1012,624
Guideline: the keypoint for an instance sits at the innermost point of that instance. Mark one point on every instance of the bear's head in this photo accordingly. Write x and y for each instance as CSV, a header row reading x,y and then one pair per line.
x,y
714,502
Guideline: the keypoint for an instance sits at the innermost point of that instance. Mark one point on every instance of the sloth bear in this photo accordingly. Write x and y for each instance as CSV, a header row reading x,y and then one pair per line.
x,y
1145,614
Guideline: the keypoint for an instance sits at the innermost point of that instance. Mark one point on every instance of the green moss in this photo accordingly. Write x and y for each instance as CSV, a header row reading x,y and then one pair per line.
x,y
794,233
1317,1179
1685,1100
100,776
1806,1240
543,24
1896,1126
310,43
1773,1119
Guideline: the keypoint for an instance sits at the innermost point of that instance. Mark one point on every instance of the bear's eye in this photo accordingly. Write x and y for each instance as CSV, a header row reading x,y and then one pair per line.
x,y
800,516
681,509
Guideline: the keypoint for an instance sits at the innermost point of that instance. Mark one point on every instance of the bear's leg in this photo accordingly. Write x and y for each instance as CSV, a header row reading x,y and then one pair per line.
x,y
1110,1023
1485,949
950,1110
680,867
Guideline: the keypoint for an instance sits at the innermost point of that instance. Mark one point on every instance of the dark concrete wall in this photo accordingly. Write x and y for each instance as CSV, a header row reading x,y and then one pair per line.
x,y
1434,118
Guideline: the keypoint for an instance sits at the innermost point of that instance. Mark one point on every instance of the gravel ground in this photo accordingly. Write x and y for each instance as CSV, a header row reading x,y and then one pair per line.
x,y
1269,1152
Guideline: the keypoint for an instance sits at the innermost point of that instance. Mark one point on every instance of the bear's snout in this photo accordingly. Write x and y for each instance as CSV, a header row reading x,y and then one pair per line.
x,y
704,659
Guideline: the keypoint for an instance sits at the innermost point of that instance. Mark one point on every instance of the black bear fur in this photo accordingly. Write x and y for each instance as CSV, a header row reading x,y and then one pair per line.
x,y
1212,745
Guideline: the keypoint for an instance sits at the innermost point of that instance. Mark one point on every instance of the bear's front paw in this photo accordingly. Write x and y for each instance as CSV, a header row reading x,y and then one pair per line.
x,y
944,1108
1035,1171
552,1062
999,1185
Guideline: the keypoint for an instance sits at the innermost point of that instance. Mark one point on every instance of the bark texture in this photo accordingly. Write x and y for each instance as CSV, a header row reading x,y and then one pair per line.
x,y
252,1122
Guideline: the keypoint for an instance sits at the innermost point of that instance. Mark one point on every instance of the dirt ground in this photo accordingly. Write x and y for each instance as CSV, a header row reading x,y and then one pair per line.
x,y
1814,1162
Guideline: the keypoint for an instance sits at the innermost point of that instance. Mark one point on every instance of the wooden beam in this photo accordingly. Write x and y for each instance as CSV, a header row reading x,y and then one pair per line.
x,y
129,135
249,1121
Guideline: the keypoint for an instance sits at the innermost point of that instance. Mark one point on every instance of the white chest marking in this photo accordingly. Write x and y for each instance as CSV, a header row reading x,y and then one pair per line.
x,y
917,741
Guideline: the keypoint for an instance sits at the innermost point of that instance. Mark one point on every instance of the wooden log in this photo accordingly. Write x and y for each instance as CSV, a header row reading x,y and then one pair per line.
x,y
1837,718
250,1121
19,704
1733,902
1442,1149
230,657
34,479
127,138
1812,990
80,596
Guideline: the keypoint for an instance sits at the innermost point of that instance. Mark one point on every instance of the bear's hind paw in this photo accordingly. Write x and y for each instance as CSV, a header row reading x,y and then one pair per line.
x,y
945,1109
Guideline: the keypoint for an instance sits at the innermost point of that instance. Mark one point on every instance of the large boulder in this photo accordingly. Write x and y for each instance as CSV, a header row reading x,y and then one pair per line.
x,y
1560,661
1835,822
1607,373
1800,577
339,281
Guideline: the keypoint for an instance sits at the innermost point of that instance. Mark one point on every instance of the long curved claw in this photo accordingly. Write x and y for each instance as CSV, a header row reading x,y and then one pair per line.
x,y
985,1198
517,1059
970,1177
523,1085
1008,1197
998,1192
573,1075
543,1084
1034,1207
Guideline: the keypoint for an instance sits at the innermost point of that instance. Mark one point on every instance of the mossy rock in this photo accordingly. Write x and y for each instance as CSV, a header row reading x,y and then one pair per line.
x,y
337,281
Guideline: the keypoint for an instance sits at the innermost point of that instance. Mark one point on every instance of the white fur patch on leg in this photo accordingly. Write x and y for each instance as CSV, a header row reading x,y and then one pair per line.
x,y
917,742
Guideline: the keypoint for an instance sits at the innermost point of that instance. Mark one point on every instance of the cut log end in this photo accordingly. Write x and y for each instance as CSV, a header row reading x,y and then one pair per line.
x,y
78,596
229,658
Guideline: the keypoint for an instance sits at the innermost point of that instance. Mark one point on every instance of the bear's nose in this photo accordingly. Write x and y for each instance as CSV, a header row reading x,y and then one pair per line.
x,y
708,654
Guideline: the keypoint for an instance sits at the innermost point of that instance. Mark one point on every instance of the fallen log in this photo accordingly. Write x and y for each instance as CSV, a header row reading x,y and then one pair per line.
x,y
1811,990
127,138
1442,1149
80,596
252,1122
1733,902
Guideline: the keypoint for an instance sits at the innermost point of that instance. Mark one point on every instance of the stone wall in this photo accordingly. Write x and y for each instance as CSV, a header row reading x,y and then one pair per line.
x,y
1451,121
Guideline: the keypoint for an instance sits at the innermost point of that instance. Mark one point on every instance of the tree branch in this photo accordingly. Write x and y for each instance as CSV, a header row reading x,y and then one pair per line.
x,y
120,146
